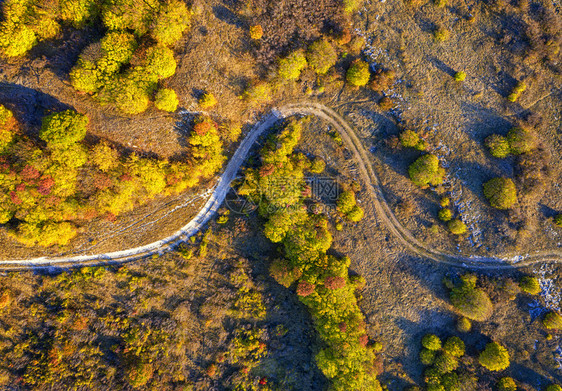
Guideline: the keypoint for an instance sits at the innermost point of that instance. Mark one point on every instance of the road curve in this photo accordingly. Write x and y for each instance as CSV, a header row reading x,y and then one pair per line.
x,y
220,190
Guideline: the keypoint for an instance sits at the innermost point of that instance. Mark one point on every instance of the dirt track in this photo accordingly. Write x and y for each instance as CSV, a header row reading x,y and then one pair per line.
x,y
220,191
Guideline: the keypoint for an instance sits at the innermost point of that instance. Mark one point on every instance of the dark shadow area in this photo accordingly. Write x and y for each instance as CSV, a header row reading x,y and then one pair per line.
x,y
484,122
61,54
224,14
442,66
28,105
547,211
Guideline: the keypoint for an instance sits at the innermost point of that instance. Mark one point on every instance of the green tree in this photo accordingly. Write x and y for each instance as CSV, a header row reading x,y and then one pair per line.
x,y
501,193
530,285
454,346
552,321
166,100
358,73
521,141
171,22
290,67
469,301
426,171
62,129
457,227
507,384
431,342
321,56
498,146
495,357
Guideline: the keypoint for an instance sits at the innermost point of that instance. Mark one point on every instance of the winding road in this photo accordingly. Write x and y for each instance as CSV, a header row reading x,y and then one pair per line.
x,y
220,190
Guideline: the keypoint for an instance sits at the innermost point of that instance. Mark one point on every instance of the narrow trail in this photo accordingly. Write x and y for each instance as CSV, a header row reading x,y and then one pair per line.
x,y
219,192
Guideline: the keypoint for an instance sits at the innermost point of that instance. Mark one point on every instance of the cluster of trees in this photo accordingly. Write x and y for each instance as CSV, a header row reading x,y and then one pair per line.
x,y
41,198
443,361
322,281
138,32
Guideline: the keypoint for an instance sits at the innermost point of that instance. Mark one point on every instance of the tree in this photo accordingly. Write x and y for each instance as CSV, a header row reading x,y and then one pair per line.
x,y
457,227
291,66
409,138
495,357
521,141
171,22
507,384
166,100
530,285
103,156
358,73
426,171
454,346
469,301
501,193
62,129
498,146
321,56
431,342
552,321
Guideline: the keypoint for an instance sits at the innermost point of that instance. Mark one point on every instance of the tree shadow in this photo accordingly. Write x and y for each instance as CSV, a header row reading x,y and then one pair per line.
x,y
224,14
442,66
28,105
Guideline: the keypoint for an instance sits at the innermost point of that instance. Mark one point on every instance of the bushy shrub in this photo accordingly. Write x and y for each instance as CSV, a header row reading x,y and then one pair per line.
x,y
445,214
16,39
454,346
305,288
552,321
171,22
507,384
469,301
441,34
409,139
460,76
256,32
160,62
530,285
258,93
104,157
498,146
207,100
290,67
350,6
284,273
501,193
521,140
450,381
426,171
138,374
431,342
132,99
444,202
427,357
356,214
519,88
79,12
382,80
495,357
554,387
62,129
317,166
166,100
464,325
445,363
321,56
385,103
558,220
457,227
358,73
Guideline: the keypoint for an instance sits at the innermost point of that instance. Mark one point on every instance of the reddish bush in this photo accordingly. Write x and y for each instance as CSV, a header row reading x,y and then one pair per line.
x,y
334,282
14,197
266,170
305,288
364,340
343,327
20,187
102,181
263,381
29,173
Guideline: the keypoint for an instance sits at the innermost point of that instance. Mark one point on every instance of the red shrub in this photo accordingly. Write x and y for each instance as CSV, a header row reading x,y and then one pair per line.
x,y
202,128
267,169
102,181
343,327
263,381
14,197
305,288
29,173
364,340
45,185
20,187
126,177
334,282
